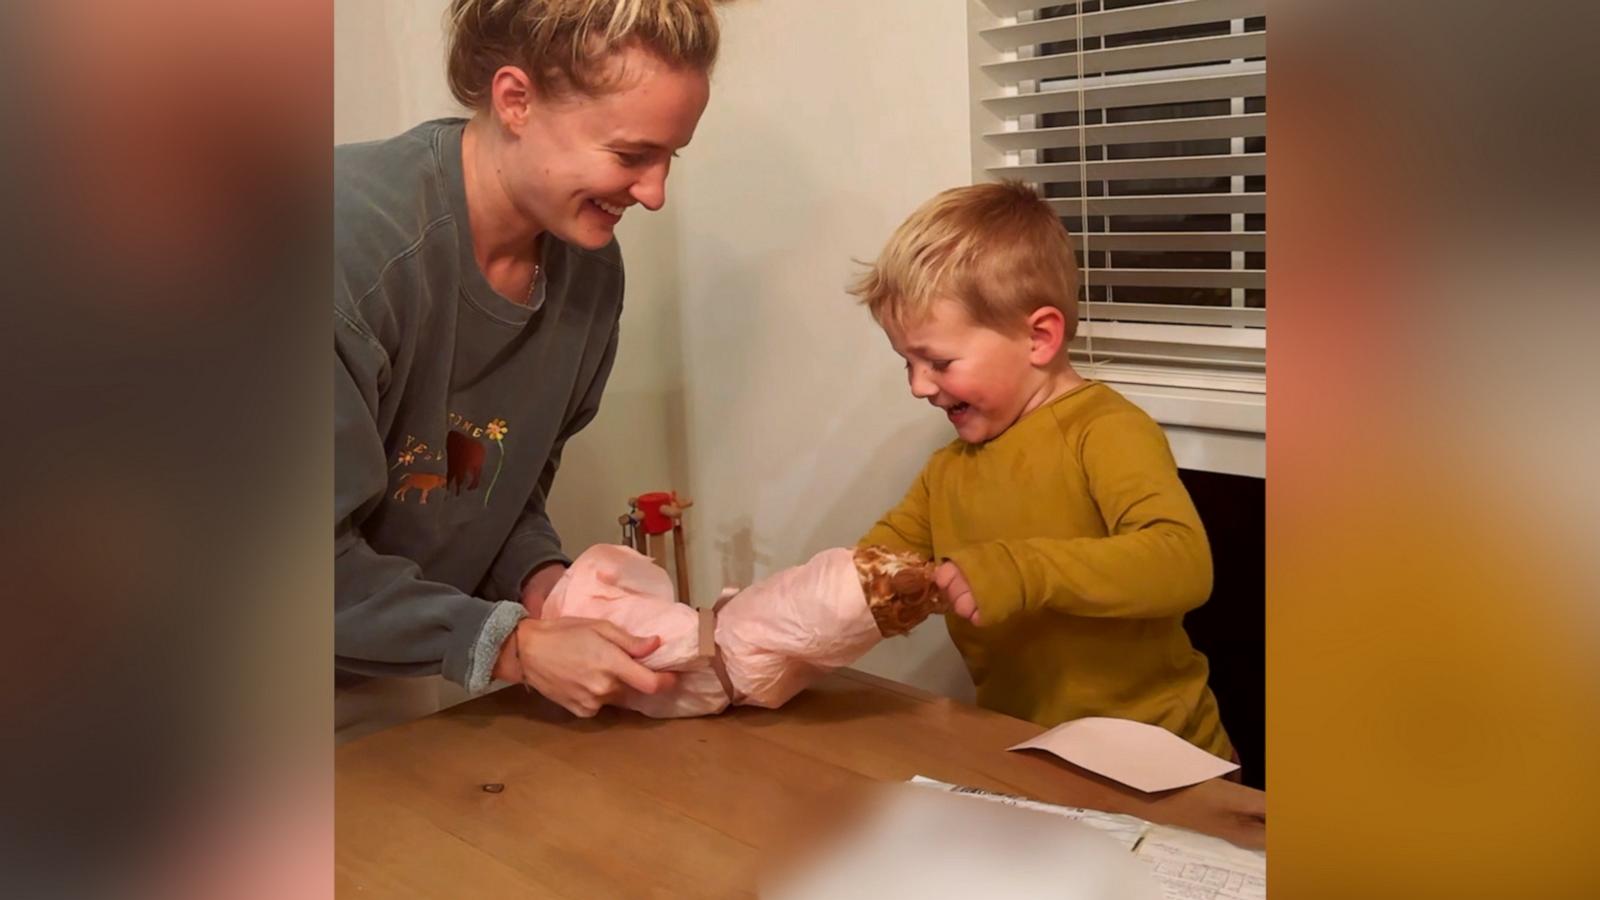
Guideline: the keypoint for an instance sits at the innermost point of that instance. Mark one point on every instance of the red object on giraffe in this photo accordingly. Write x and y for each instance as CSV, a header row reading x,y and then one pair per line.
x,y
654,520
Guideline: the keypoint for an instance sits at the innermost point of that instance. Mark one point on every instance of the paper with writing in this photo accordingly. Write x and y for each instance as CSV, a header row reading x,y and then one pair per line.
x,y
1186,864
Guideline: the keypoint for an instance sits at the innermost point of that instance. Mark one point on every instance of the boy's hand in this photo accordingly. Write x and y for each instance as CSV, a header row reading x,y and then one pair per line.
x,y
954,586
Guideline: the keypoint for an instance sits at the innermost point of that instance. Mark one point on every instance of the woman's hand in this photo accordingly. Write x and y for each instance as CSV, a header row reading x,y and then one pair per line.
x,y
582,664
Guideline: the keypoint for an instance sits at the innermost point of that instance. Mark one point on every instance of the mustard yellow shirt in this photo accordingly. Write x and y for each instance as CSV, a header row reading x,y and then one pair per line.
x,y
1083,551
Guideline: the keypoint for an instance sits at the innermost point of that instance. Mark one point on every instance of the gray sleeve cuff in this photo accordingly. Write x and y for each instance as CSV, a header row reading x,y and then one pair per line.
x,y
501,622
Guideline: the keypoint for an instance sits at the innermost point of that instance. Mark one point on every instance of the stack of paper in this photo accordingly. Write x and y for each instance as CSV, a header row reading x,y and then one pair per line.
x,y
908,841
1187,865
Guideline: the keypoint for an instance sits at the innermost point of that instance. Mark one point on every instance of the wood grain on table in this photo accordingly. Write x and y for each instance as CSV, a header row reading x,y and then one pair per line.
x,y
623,805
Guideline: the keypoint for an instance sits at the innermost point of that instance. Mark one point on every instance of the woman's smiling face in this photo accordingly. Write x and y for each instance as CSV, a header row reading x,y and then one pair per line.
x,y
575,163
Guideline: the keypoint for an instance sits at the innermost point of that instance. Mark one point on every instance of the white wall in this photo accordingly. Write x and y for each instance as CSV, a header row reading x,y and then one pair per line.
x,y
747,378
388,71
830,121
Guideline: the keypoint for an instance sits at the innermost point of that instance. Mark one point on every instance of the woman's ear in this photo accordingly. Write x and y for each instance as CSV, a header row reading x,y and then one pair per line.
x,y
1047,335
511,96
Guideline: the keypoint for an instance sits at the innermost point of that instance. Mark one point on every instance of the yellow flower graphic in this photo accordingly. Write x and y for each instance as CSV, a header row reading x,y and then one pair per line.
x,y
496,431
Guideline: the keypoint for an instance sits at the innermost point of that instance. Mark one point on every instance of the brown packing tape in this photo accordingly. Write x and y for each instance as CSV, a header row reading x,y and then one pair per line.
x,y
708,633
709,650
721,669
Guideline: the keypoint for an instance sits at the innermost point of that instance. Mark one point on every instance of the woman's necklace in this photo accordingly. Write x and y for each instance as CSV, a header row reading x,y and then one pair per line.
x,y
538,266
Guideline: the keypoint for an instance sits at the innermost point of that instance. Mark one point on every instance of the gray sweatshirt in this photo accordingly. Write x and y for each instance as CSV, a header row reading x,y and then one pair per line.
x,y
451,406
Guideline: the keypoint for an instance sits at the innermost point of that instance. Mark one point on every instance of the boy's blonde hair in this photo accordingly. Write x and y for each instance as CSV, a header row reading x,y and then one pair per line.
x,y
564,45
998,249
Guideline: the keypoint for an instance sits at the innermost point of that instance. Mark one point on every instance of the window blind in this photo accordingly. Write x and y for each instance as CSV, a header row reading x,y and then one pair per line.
x,y
1144,123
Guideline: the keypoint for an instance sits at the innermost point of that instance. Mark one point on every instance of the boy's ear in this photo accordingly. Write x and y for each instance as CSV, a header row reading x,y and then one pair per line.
x,y
1047,332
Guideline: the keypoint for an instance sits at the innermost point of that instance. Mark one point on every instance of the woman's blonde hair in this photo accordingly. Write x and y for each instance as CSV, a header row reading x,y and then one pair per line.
x,y
997,249
564,45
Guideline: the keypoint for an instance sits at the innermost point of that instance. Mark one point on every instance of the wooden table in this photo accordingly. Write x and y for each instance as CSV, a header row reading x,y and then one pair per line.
x,y
625,806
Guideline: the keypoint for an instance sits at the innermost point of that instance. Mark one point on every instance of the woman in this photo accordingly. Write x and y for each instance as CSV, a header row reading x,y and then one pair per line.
x,y
477,291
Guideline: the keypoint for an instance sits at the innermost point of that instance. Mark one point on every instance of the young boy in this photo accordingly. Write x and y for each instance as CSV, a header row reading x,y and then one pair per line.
x,y
1071,550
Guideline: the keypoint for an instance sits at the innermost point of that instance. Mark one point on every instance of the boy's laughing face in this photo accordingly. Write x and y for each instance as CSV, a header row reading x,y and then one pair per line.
x,y
984,380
